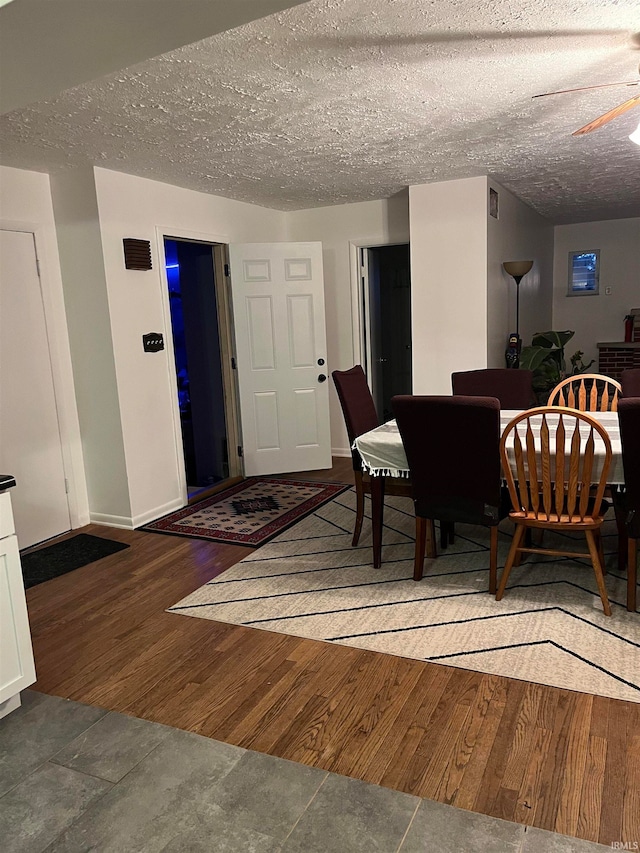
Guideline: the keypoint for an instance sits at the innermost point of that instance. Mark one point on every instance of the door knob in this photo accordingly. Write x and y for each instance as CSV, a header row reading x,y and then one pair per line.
x,y
322,378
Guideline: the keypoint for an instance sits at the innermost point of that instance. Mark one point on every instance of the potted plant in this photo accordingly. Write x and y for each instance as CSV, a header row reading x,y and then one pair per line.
x,y
546,358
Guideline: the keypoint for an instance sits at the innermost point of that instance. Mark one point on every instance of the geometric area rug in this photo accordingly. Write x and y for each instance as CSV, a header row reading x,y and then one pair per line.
x,y
250,513
549,627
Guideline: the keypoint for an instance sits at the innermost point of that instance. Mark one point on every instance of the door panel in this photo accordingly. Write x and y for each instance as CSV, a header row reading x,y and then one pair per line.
x,y
30,445
278,304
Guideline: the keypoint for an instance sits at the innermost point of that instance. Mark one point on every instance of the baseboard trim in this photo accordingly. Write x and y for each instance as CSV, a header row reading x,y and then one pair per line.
x,y
111,520
343,452
158,512
131,523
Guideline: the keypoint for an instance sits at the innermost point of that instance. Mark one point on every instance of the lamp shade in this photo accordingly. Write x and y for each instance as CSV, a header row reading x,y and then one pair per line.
x,y
517,269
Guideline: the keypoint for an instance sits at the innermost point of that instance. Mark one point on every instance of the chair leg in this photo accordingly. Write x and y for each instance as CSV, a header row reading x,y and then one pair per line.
x,y
621,528
632,574
528,542
452,533
359,507
421,535
444,534
597,568
493,561
377,518
513,553
432,551
600,545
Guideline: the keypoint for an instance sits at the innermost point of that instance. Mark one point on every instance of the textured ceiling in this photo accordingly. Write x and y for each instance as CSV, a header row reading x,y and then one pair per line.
x,y
338,101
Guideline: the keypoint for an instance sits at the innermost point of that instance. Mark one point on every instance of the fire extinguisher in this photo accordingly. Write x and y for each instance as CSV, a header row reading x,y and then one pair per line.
x,y
628,328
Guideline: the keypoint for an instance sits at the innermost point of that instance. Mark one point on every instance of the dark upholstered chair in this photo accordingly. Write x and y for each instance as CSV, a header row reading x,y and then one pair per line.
x,y
453,450
630,382
629,418
513,388
360,416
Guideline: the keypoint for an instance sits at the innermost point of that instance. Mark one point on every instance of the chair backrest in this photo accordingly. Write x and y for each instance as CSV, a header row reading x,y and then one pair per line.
x,y
452,446
513,388
630,382
589,392
551,456
357,404
629,419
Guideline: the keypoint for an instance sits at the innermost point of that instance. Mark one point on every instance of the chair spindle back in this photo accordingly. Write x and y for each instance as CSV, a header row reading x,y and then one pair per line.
x,y
588,392
551,479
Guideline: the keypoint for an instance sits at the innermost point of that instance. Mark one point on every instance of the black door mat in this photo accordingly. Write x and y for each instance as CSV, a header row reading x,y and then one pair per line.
x,y
65,556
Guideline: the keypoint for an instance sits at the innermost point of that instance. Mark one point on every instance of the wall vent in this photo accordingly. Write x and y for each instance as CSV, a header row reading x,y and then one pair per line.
x,y
137,254
493,204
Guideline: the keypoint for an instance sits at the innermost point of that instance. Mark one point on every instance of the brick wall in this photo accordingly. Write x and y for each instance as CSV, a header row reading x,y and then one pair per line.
x,y
613,360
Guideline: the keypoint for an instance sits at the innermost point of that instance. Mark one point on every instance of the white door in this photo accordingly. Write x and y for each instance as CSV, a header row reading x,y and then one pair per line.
x,y
30,447
278,307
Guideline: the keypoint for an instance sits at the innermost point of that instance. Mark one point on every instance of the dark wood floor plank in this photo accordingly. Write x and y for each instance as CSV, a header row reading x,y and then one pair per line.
x,y
538,755
489,792
619,736
574,768
631,803
390,764
450,781
525,807
592,789
548,801
478,760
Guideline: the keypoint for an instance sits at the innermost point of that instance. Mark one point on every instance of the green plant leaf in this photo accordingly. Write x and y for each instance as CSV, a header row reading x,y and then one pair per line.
x,y
552,339
532,357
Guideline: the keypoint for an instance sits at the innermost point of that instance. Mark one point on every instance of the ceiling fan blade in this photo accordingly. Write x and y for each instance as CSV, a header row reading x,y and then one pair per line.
x,y
586,88
608,116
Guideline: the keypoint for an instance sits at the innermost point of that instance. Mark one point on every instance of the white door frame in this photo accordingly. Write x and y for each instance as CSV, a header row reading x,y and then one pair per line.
x,y
359,295
180,233
55,319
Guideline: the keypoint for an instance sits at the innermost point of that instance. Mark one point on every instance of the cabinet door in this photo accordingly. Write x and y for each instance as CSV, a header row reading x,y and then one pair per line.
x,y
17,670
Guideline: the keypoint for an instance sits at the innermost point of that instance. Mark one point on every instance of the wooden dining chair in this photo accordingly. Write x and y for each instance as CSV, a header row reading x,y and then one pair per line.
x,y
629,419
630,382
550,486
360,416
452,447
513,388
588,392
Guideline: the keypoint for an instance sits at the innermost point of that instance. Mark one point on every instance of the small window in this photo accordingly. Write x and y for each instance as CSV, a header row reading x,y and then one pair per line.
x,y
584,273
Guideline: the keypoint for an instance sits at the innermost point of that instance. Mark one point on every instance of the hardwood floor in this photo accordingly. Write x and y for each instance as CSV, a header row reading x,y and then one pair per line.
x,y
542,756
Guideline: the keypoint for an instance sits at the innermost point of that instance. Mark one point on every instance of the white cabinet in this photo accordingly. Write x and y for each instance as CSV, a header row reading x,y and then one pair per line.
x,y
17,669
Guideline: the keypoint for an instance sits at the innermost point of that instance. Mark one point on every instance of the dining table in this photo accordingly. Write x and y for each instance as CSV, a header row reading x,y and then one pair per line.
x,y
383,455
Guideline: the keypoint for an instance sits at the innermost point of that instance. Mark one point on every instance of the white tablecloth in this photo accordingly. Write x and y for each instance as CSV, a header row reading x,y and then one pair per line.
x,y
383,453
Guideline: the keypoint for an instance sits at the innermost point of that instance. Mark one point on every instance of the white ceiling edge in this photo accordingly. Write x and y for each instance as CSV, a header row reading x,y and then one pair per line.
x,y
47,47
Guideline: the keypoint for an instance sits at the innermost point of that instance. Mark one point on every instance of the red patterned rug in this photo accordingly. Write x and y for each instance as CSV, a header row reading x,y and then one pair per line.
x,y
249,513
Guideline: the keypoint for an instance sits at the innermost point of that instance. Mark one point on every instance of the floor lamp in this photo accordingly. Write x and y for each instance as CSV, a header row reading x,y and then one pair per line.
x,y
517,270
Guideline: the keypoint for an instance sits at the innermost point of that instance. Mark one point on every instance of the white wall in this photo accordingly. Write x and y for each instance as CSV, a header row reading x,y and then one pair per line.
x,y
519,234
136,207
597,318
448,280
82,264
340,229
25,200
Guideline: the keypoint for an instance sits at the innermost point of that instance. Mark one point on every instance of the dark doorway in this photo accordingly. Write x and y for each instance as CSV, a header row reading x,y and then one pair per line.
x,y
196,345
388,346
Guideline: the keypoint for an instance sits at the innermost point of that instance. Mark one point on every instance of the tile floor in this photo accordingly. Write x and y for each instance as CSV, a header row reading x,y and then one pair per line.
x,y
77,778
